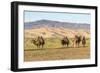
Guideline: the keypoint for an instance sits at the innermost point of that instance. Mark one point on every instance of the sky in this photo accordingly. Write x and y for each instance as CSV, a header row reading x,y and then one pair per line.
x,y
30,16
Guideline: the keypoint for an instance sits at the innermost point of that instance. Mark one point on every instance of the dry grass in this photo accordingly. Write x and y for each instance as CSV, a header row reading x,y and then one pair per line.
x,y
57,54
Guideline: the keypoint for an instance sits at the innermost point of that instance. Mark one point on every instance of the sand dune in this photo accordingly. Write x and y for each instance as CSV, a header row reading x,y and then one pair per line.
x,y
55,32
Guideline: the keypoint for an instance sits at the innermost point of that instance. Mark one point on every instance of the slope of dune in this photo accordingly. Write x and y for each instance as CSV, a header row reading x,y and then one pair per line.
x,y
55,32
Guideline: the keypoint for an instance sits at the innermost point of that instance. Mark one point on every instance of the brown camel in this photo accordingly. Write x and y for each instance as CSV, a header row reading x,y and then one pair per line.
x,y
76,41
83,41
65,41
38,42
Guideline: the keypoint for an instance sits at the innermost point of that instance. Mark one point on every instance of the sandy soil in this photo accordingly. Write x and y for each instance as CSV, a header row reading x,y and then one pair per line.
x,y
57,54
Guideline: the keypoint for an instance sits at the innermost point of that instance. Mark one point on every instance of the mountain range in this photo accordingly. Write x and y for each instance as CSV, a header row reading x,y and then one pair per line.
x,y
55,24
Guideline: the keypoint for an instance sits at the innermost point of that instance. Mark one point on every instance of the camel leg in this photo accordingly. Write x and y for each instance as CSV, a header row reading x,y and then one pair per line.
x,y
63,45
42,46
38,46
74,45
67,45
84,45
78,45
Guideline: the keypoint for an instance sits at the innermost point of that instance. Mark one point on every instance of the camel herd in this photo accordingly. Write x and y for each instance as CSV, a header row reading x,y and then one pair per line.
x,y
40,41
78,39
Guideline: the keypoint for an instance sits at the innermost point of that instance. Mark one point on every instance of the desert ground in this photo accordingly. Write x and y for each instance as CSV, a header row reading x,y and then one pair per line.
x,y
57,54
53,50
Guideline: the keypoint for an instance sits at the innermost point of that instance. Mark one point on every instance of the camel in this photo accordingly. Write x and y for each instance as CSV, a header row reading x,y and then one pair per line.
x,y
76,41
65,41
83,41
38,42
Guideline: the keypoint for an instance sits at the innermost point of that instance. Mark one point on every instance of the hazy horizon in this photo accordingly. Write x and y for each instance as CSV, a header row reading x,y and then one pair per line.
x,y
32,16
55,20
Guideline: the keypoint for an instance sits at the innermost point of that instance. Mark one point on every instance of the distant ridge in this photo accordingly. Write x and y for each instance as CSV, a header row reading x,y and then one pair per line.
x,y
55,24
